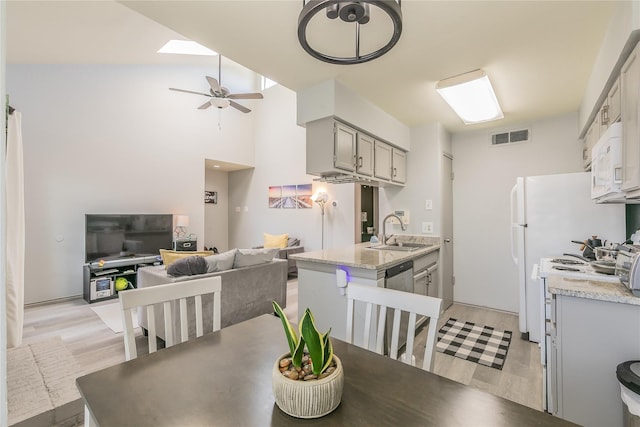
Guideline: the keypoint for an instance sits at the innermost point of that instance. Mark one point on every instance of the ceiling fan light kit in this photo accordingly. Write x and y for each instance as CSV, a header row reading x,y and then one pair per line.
x,y
220,96
471,96
351,12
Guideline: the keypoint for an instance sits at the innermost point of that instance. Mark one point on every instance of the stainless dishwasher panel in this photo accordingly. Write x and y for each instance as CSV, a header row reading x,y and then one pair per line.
x,y
399,278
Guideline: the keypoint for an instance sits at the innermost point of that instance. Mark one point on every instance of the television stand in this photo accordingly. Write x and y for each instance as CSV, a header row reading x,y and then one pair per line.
x,y
99,278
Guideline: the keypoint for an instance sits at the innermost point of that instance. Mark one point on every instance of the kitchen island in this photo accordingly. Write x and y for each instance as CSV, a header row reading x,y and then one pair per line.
x,y
318,285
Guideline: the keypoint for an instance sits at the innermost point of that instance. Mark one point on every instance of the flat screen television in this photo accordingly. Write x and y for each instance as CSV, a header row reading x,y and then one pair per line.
x,y
114,236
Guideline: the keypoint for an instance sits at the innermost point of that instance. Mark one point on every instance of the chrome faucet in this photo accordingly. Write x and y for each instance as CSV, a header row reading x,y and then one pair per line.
x,y
384,222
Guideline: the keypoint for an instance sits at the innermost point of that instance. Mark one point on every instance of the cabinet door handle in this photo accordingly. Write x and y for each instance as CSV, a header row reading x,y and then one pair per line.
x,y
395,172
447,240
360,161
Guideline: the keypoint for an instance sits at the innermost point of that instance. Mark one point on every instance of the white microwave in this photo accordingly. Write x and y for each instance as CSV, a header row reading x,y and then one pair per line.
x,y
101,287
606,166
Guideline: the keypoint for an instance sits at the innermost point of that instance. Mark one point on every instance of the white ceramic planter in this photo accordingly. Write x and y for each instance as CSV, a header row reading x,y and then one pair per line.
x,y
307,399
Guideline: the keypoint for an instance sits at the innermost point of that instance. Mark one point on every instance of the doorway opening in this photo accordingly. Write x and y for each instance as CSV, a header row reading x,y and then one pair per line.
x,y
366,212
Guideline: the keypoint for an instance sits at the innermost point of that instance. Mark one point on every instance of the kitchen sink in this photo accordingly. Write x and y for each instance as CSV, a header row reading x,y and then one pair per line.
x,y
405,247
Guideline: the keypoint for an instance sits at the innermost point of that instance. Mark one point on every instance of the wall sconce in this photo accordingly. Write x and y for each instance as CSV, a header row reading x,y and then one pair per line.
x,y
321,198
182,222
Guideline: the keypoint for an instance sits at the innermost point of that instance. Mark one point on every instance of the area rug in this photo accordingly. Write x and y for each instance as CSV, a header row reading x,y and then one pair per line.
x,y
480,344
111,315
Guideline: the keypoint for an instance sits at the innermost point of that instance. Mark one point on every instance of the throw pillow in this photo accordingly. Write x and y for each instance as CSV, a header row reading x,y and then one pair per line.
x,y
247,257
168,257
220,262
188,266
275,241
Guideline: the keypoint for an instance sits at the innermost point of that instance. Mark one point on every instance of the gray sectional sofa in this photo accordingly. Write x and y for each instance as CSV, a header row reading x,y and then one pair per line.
x,y
247,292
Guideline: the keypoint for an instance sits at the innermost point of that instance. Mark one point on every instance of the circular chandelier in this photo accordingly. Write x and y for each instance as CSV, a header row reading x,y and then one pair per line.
x,y
353,12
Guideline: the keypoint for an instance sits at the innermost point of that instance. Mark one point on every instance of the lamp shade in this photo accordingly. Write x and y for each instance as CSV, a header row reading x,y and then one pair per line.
x,y
182,220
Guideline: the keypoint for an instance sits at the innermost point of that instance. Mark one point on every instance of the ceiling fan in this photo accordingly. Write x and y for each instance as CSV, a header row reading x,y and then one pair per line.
x,y
220,96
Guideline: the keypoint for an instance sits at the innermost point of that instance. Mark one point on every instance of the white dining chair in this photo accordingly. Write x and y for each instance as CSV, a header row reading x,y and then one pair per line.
x,y
377,300
167,295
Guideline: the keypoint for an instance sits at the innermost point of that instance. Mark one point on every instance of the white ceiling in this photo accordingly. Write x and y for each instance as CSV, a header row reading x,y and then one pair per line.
x,y
538,54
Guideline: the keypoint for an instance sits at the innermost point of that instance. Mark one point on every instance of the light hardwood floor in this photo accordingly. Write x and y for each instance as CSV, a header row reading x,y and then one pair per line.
x,y
95,346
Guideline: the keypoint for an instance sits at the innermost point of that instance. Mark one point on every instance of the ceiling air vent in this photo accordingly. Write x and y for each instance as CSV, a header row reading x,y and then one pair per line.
x,y
510,137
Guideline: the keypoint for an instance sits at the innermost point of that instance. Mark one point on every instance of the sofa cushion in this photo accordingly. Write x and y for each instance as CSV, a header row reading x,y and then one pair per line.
x,y
188,266
168,257
248,257
275,241
221,262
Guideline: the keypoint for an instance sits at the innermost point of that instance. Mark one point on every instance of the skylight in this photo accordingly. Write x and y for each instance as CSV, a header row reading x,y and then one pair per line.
x,y
266,83
186,47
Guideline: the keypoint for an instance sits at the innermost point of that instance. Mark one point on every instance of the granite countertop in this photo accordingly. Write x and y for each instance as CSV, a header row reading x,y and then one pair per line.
x,y
361,256
591,289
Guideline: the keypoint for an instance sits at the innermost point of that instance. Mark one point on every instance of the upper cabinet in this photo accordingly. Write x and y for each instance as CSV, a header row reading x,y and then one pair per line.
x,y
630,116
344,141
399,166
364,153
382,153
612,138
339,153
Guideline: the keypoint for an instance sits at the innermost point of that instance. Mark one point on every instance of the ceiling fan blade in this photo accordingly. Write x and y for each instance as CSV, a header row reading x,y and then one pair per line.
x,y
239,107
205,106
245,96
215,86
189,91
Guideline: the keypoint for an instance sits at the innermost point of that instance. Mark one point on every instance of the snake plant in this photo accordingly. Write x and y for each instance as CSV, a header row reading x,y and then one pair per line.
x,y
318,345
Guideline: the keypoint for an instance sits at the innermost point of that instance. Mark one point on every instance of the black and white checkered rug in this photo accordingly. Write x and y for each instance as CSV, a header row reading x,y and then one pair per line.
x,y
479,344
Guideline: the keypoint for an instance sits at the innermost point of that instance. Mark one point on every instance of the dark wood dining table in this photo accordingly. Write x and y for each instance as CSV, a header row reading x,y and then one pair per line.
x,y
224,379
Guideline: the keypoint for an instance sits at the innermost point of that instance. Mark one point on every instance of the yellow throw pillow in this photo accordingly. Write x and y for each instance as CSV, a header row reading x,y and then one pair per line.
x,y
169,257
271,241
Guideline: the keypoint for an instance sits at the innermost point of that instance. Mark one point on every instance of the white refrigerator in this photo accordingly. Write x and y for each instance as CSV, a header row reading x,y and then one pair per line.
x,y
547,213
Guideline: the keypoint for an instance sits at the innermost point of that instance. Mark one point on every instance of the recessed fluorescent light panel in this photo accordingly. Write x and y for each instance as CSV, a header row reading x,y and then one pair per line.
x,y
186,47
471,96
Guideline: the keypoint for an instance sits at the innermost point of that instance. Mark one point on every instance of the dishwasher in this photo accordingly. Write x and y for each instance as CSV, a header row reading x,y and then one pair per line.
x,y
399,278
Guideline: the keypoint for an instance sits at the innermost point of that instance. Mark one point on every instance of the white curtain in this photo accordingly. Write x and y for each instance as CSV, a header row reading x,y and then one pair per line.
x,y
15,230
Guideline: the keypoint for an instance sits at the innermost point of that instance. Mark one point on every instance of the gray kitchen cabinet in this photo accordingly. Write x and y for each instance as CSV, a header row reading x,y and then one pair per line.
x,y
364,164
399,166
614,103
382,160
344,147
425,274
589,339
590,139
630,116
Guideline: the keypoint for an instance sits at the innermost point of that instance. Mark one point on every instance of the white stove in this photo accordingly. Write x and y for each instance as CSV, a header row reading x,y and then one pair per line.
x,y
573,268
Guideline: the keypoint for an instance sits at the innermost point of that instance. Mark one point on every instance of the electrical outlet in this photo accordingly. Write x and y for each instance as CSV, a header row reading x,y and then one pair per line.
x,y
428,205
427,227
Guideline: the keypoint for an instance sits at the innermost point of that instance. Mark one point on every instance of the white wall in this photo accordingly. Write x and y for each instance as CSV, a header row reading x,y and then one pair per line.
x,y
112,139
216,216
484,175
280,159
423,182
331,98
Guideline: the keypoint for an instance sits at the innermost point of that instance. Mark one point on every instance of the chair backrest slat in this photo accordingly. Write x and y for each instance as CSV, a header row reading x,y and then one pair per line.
x,y
377,301
170,295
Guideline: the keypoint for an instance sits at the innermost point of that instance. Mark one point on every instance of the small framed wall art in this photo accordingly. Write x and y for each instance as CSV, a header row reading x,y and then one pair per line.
x,y
211,197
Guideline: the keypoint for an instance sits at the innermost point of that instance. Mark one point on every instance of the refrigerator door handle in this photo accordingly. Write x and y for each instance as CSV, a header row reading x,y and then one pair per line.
x,y
514,224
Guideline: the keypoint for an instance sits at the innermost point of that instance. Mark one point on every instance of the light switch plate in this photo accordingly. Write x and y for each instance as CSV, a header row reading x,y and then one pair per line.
x,y
428,205
427,227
